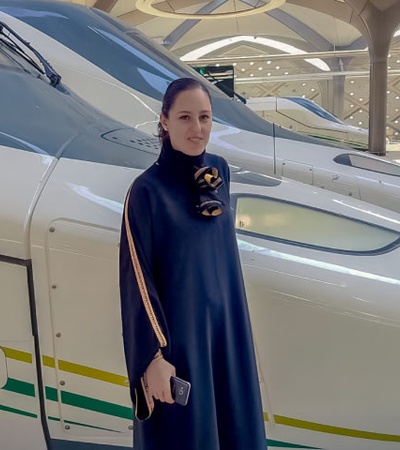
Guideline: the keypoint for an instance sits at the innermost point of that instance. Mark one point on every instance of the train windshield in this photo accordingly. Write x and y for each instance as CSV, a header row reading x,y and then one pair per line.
x,y
11,58
5,58
14,43
127,55
314,108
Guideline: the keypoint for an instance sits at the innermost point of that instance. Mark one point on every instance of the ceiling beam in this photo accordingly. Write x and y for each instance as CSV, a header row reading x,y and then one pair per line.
x,y
313,38
187,25
336,9
105,5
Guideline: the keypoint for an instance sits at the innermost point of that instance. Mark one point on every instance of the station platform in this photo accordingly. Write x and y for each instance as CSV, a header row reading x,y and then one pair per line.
x,y
393,156
393,152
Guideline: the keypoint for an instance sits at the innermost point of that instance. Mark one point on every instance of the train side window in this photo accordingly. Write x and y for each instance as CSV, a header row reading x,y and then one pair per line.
x,y
367,163
5,60
301,225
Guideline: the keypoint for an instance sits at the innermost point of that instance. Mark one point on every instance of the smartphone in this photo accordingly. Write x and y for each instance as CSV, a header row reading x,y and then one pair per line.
x,y
180,390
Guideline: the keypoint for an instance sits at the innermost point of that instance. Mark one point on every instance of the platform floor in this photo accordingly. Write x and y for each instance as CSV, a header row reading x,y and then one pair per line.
x,y
393,155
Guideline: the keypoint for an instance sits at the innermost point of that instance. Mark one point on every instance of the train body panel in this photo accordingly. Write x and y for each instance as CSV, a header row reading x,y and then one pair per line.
x,y
323,308
366,177
22,176
74,239
320,271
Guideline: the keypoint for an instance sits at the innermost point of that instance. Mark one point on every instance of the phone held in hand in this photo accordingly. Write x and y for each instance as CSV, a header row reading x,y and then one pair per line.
x,y
180,390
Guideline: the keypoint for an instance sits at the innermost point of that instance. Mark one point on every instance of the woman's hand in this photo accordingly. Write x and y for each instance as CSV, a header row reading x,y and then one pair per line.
x,y
158,376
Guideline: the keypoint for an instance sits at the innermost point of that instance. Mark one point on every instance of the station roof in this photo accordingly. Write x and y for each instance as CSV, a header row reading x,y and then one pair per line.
x,y
266,43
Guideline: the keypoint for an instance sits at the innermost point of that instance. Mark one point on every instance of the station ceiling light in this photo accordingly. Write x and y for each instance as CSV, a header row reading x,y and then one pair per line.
x,y
281,46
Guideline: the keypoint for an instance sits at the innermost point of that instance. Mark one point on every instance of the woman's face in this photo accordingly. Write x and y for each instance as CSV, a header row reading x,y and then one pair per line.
x,y
189,121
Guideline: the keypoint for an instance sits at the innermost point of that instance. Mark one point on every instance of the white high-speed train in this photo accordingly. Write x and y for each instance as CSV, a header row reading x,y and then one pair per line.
x,y
320,270
307,117
122,73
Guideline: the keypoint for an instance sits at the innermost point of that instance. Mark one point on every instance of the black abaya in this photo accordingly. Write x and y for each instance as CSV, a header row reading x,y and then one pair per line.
x,y
195,311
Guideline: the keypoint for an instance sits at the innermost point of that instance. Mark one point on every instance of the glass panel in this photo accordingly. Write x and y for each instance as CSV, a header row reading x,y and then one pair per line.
x,y
6,60
374,165
314,108
306,226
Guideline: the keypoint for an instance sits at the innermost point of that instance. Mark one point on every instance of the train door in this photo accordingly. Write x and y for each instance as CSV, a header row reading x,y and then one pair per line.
x,y
20,419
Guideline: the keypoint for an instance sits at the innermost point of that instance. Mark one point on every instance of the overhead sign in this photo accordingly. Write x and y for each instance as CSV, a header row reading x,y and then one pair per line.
x,y
221,76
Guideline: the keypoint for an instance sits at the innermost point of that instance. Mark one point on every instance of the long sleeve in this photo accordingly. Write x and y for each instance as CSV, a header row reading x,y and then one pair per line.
x,y
143,322
198,276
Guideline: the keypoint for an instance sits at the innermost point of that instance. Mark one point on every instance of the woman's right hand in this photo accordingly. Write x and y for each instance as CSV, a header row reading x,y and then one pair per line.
x,y
158,376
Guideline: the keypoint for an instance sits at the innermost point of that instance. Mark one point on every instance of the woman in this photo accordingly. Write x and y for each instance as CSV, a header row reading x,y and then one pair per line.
x,y
184,308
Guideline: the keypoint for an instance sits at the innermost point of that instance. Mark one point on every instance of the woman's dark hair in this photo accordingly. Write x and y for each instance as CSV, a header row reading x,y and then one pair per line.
x,y
175,88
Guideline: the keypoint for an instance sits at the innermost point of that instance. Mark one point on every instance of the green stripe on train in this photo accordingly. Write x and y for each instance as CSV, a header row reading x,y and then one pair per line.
x,y
279,444
17,411
20,387
70,422
91,404
124,412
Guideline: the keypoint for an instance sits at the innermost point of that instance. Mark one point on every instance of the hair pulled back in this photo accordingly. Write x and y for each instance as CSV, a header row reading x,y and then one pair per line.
x,y
175,88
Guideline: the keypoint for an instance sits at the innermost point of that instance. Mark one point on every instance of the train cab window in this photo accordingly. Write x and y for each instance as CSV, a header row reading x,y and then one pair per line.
x,y
300,225
5,59
12,59
314,108
366,163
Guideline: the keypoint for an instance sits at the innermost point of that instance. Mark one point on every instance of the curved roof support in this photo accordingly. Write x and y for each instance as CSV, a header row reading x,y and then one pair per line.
x,y
318,42
358,44
377,26
105,5
314,39
187,25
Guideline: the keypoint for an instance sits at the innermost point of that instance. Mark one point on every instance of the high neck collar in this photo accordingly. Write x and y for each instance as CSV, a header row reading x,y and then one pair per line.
x,y
174,159
190,172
